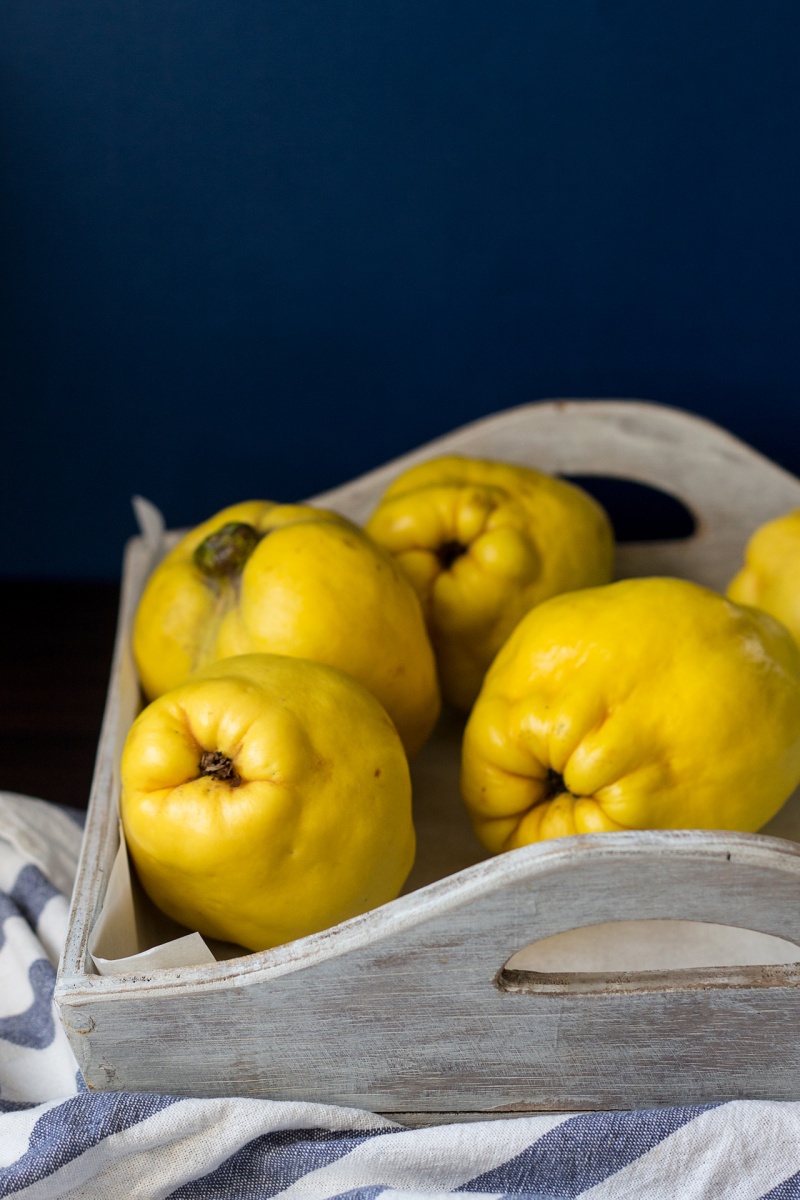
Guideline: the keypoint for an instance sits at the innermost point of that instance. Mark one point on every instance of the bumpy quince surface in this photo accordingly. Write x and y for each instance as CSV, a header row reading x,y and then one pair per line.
x,y
645,704
267,798
770,576
308,583
483,542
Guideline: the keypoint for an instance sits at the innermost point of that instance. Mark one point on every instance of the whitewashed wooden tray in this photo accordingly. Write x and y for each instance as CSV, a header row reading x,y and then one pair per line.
x,y
432,1007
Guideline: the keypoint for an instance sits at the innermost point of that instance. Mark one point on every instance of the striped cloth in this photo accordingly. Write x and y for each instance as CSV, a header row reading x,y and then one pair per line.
x,y
56,1140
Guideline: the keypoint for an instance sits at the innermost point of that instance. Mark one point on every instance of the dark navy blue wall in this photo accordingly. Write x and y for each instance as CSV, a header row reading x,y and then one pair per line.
x,y
254,248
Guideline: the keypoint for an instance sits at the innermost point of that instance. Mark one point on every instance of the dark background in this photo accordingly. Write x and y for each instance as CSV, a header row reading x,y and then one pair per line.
x,y
252,249
255,248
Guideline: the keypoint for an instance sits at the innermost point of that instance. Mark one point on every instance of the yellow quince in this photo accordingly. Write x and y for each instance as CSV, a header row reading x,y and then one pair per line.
x,y
770,576
289,579
645,704
267,798
483,542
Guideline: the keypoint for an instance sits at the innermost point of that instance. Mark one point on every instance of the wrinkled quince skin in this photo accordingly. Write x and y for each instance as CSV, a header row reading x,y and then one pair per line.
x,y
770,576
296,580
267,798
483,542
645,704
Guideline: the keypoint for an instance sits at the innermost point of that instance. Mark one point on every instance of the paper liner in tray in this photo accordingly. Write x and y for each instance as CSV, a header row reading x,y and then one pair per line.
x,y
131,936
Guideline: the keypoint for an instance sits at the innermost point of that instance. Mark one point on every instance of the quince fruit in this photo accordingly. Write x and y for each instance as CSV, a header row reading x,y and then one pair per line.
x,y
267,798
289,579
646,704
770,576
483,542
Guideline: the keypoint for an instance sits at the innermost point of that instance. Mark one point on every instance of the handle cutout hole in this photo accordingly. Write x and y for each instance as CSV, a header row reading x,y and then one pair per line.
x,y
638,511
650,955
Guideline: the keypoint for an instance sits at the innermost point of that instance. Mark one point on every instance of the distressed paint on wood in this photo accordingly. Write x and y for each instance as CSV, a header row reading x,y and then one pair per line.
x,y
400,1010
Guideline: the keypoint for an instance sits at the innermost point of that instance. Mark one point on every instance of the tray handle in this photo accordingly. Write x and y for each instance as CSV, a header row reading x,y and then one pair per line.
x,y
728,487
738,880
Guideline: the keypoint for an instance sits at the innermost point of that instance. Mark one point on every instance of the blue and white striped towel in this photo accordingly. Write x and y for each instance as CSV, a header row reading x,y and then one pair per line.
x,y
56,1140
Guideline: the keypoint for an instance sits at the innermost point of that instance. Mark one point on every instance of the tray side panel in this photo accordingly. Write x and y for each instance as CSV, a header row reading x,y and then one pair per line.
x,y
101,838
414,1019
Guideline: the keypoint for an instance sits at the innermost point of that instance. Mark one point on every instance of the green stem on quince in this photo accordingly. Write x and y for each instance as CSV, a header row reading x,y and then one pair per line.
x,y
224,552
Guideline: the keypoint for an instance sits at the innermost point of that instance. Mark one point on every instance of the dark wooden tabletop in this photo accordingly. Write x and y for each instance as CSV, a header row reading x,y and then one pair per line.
x,y
56,640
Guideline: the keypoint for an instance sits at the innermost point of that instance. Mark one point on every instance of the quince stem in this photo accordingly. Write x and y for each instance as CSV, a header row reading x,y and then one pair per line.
x,y
448,552
554,784
219,767
225,551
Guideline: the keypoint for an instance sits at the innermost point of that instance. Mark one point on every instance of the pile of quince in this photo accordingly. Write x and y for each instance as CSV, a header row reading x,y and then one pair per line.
x,y
294,662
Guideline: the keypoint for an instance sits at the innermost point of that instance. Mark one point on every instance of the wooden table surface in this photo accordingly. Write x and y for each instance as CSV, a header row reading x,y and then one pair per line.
x,y
56,642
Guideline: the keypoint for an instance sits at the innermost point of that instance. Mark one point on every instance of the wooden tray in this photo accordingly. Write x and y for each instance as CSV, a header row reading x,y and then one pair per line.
x,y
411,1009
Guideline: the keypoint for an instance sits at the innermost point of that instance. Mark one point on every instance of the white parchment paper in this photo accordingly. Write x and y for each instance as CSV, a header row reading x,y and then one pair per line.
x,y
129,937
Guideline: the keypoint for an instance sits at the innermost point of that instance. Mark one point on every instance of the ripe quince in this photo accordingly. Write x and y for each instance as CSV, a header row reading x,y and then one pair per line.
x,y
483,542
770,576
267,798
645,704
289,579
